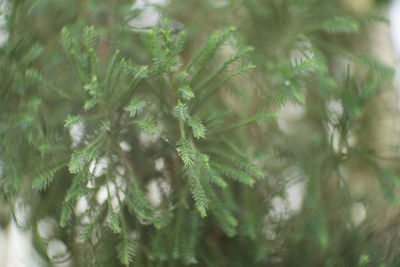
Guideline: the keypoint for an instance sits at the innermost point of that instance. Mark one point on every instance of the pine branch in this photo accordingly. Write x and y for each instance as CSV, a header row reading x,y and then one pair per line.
x,y
110,71
88,229
90,37
261,117
197,127
68,208
213,176
180,111
234,174
208,51
240,55
186,92
113,221
340,24
148,126
135,107
186,152
240,71
189,238
72,120
33,74
198,192
126,251
46,177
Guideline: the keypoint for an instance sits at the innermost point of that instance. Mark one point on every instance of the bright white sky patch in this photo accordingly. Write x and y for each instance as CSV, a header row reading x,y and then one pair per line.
x,y
149,15
395,24
394,16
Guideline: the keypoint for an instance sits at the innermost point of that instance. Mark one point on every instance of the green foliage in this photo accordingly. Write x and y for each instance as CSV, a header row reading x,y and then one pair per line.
x,y
45,178
135,107
114,222
186,92
198,192
126,252
66,212
180,111
71,120
79,159
340,24
185,151
169,135
87,231
148,126
198,128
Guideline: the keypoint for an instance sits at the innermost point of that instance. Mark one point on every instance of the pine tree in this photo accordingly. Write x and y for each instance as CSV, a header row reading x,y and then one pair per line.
x,y
95,110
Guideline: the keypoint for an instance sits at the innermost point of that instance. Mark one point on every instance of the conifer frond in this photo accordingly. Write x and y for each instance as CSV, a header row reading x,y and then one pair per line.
x,y
92,87
189,238
198,193
261,117
126,251
72,120
148,126
78,188
180,111
213,176
385,72
186,152
234,174
241,70
45,178
215,119
340,24
374,19
113,221
222,212
33,74
138,71
208,51
186,92
197,127
179,44
239,161
164,48
226,221
138,205
111,69
67,210
141,72
135,107
304,66
66,39
80,158
71,47
202,160
90,37
89,104
242,53
105,126
88,229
